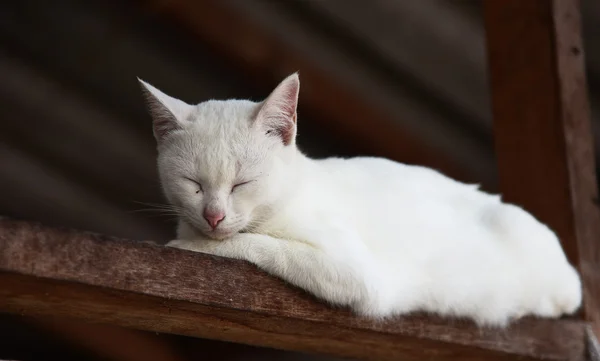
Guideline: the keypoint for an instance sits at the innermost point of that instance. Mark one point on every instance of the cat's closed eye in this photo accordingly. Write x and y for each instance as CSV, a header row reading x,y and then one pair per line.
x,y
239,185
196,183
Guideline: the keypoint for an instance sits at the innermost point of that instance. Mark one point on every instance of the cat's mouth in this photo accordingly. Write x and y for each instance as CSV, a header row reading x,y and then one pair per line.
x,y
222,231
219,233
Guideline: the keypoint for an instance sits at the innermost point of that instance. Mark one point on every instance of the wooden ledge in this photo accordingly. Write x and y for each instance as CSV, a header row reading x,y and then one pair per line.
x,y
46,271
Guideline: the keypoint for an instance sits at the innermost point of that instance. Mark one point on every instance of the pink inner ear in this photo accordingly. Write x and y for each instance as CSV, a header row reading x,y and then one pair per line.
x,y
163,126
289,98
278,113
285,132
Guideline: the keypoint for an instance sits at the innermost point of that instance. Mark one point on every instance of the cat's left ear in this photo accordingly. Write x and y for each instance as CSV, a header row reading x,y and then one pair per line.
x,y
167,113
277,114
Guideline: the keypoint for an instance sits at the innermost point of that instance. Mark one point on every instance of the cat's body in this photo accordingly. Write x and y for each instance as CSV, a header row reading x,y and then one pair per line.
x,y
381,237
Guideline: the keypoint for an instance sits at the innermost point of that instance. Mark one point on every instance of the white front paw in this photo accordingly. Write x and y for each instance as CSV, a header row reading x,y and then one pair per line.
x,y
176,243
203,246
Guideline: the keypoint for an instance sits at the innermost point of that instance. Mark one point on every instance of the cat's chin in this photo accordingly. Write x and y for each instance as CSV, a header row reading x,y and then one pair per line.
x,y
218,234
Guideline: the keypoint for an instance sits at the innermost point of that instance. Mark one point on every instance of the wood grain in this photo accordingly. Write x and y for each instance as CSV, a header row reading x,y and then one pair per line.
x,y
45,271
542,126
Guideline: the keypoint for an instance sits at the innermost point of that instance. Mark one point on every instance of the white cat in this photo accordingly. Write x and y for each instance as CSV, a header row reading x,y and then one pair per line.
x,y
381,237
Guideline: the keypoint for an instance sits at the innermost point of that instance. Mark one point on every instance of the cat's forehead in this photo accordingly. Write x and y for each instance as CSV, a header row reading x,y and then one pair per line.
x,y
221,161
223,112
223,129
219,142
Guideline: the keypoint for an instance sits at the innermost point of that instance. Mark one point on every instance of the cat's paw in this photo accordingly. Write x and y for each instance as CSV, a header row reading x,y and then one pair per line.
x,y
203,246
551,286
563,297
549,289
177,243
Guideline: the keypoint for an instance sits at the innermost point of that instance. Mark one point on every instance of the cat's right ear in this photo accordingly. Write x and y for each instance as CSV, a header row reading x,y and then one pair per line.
x,y
277,114
167,112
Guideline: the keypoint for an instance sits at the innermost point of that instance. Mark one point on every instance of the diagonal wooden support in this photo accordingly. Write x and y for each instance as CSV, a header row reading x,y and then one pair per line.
x,y
542,128
46,271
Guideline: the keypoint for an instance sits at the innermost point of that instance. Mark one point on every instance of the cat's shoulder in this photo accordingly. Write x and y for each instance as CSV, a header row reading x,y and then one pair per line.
x,y
383,170
377,164
364,161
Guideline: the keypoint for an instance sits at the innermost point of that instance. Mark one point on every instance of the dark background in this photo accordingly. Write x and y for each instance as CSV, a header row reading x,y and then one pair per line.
x,y
76,146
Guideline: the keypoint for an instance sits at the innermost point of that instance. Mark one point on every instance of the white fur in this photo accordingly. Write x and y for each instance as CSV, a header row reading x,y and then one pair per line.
x,y
382,237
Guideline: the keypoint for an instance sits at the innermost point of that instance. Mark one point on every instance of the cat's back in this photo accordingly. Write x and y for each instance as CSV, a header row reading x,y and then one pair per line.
x,y
379,196
380,175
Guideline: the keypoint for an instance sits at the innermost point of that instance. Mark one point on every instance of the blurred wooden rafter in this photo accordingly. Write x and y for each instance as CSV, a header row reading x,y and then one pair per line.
x,y
266,59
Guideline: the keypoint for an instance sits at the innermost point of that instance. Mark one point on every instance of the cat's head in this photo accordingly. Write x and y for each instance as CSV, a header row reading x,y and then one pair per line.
x,y
225,165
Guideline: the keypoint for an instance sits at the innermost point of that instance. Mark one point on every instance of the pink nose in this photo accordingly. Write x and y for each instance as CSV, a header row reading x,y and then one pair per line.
x,y
213,218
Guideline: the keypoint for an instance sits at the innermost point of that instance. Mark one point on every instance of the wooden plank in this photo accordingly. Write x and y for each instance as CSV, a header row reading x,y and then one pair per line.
x,y
266,60
45,271
542,130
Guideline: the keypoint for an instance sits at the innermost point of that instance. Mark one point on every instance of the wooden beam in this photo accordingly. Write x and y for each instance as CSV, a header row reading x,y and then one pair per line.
x,y
542,126
266,60
111,342
45,271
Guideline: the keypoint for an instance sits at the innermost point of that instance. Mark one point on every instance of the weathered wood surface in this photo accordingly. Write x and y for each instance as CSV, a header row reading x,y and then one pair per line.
x,y
46,271
542,128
